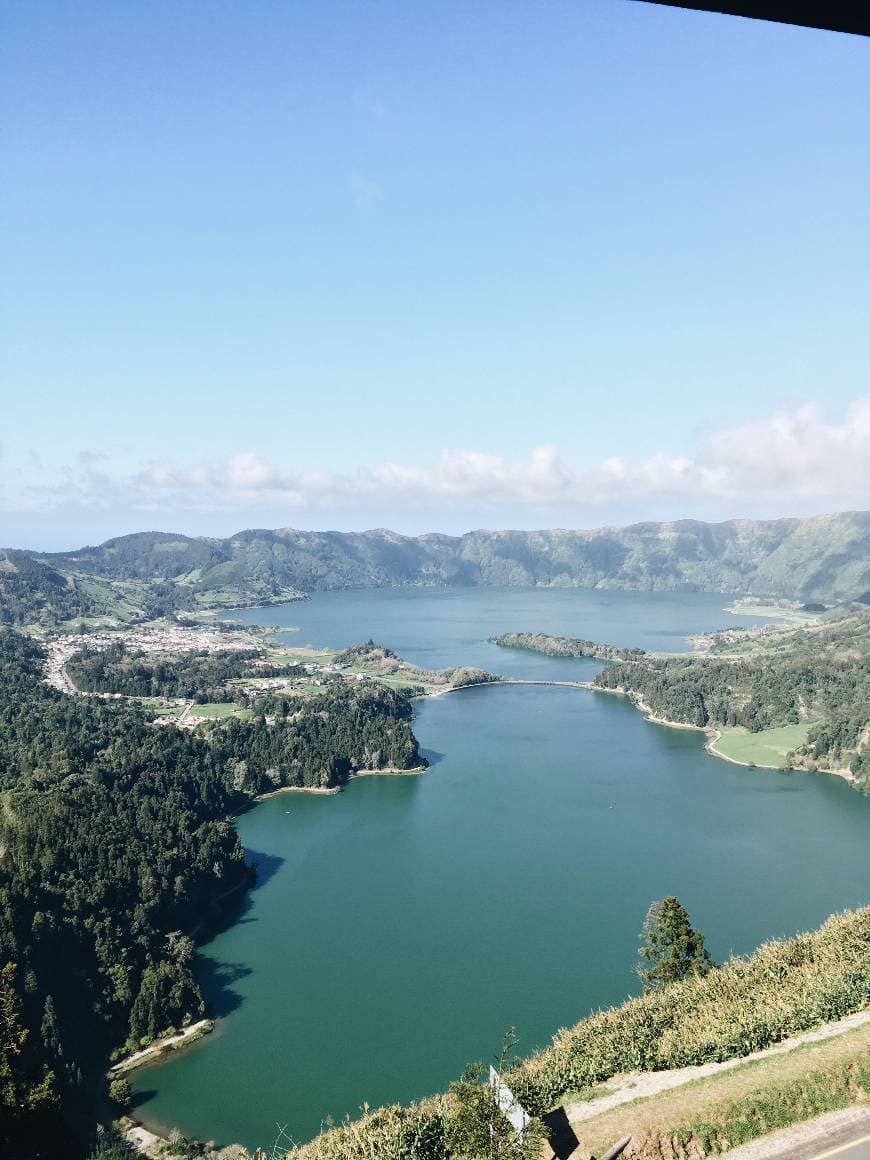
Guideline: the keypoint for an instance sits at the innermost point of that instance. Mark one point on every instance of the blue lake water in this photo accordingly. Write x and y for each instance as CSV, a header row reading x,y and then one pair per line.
x,y
401,926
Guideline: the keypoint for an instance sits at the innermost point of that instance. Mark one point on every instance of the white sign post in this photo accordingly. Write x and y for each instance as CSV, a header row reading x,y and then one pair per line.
x,y
508,1103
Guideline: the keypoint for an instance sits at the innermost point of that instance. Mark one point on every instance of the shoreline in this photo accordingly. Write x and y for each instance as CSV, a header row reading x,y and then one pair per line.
x,y
138,1134
162,1046
713,734
644,708
388,771
793,616
332,790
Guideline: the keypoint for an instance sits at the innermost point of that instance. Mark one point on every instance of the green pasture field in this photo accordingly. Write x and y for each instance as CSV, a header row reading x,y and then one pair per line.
x,y
768,748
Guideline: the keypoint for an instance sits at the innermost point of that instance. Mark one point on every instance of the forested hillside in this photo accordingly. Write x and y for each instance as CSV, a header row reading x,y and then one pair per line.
x,y
115,840
113,836
819,675
34,592
825,558
201,676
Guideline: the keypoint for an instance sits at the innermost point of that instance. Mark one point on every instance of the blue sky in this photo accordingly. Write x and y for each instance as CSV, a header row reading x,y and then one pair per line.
x,y
427,266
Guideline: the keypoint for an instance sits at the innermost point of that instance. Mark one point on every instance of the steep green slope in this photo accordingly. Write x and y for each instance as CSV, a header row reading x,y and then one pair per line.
x,y
786,987
34,592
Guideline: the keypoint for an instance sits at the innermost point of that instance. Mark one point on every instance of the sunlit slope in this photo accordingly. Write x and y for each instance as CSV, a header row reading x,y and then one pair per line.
x,y
824,558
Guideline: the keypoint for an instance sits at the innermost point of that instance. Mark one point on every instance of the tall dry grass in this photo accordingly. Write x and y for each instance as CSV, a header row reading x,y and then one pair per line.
x,y
786,986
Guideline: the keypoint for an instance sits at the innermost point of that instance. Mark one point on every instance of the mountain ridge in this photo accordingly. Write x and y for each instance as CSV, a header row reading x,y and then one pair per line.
x,y
819,558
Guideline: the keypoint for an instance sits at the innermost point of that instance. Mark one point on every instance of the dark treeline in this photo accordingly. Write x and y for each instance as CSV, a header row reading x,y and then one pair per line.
x,y
751,693
115,839
838,738
199,675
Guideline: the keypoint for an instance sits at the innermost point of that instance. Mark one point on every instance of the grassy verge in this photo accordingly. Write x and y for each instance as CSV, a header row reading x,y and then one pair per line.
x,y
768,748
712,1115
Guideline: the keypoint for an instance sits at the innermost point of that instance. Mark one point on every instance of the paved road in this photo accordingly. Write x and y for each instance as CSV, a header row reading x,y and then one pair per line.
x,y
841,1135
850,1147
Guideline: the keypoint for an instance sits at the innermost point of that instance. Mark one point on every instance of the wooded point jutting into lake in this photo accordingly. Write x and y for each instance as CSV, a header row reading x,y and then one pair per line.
x,y
434,583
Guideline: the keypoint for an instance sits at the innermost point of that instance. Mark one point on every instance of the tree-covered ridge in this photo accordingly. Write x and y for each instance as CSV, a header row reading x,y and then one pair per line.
x,y
31,591
192,572
115,840
824,558
35,593
202,676
318,742
379,660
819,675
565,646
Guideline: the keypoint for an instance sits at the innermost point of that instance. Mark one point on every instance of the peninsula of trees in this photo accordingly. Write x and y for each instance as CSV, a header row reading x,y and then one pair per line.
x,y
116,841
378,660
565,646
819,675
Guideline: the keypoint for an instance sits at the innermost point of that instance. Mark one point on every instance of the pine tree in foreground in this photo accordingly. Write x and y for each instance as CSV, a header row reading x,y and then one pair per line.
x,y
672,949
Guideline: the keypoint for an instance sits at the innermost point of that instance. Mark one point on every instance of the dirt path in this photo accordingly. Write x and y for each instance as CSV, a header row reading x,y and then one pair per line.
x,y
653,1121
641,1085
153,1049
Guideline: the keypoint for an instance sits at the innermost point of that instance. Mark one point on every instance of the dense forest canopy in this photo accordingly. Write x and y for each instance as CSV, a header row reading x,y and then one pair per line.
x,y
819,675
115,840
203,676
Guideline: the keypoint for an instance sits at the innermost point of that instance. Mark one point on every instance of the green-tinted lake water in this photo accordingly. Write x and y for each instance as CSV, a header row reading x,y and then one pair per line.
x,y
401,926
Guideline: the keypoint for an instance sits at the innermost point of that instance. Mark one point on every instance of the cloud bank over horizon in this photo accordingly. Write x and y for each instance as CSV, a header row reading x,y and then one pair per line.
x,y
791,462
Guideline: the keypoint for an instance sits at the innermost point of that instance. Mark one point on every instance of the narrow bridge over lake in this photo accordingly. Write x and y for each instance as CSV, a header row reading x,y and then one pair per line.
x,y
567,684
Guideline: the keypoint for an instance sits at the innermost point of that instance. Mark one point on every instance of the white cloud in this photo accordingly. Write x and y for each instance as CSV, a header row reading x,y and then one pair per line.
x,y
799,456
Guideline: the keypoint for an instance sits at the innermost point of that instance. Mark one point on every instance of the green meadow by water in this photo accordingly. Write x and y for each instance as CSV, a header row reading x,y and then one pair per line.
x,y
399,927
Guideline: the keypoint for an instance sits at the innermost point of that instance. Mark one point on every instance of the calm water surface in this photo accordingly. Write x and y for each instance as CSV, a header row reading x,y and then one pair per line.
x,y
400,926
440,627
